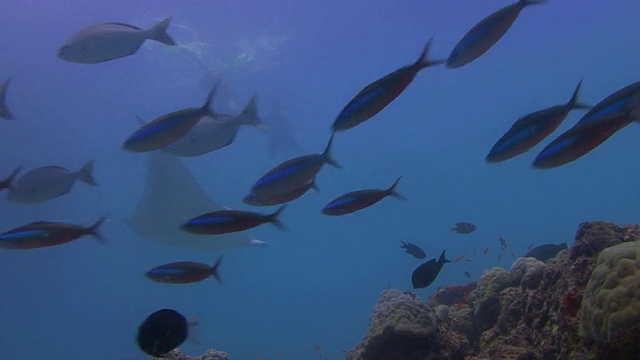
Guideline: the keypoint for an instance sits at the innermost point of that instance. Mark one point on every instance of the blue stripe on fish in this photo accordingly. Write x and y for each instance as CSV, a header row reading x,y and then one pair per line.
x,y
23,234
617,107
363,101
210,220
166,271
557,147
341,202
286,171
160,126
482,31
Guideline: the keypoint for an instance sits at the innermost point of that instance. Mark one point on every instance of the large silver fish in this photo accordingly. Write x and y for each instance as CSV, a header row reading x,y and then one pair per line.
x,y
215,131
171,197
486,33
4,110
48,182
104,42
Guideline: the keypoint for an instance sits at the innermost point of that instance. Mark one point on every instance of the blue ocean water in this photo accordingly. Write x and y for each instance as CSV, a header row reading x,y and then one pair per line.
x,y
316,283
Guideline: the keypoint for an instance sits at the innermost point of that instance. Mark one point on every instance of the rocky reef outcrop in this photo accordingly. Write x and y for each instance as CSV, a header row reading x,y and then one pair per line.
x,y
210,354
583,304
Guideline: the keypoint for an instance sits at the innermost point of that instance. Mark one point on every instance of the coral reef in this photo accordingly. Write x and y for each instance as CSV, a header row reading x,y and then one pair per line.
x,y
583,304
208,355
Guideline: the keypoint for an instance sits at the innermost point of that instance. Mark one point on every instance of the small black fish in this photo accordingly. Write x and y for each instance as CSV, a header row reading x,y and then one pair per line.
x,y
546,252
425,274
184,272
162,331
414,250
228,221
464,228
358,200
467,274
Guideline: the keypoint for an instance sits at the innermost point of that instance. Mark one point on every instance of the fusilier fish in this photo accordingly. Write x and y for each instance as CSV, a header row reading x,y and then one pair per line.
x,y
357,200
228,221
293,174
108,41
255,200
46,233
531,129
168,128
486,33
5,113
377,95
184,272
48,182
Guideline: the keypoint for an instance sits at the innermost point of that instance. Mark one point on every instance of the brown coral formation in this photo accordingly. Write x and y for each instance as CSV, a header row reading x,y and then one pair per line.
x,y
534,311
209,355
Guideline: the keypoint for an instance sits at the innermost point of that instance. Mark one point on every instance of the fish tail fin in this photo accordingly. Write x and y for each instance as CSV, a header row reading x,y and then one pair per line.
x,y
424,61
532,2
93,230
85,174
214,270
250,114
314,185
208,105
191,328
573,102
4,110
442,259
273,218
8,181
391,191
158,32
326,154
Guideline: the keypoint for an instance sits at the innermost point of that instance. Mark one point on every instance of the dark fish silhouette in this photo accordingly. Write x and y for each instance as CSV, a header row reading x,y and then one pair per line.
x,y
529,130
184,272
7,183
5,113
615,112
414,250
358,200
162,331
467,274
228,221
168,128
425,274
45,233
293,174
255,200
377,95
486,33
546,252
464,228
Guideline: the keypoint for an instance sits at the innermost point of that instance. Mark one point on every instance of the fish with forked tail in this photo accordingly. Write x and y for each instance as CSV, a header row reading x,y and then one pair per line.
x,y
41,234
425,274
184,272
358,200
228,221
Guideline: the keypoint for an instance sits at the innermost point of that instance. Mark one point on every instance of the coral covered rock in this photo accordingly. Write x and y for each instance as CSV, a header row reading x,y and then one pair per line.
x,y
401,327
611,300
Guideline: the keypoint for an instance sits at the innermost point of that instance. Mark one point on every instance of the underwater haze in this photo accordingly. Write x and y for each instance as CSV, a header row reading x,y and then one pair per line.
x,y
307,294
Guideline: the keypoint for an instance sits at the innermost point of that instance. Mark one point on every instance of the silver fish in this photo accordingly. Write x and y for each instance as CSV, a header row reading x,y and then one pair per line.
x,y
48,182
108,41
4,110
215,131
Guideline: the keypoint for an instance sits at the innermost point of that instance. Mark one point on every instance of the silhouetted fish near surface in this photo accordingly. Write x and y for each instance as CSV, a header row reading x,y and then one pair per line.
x,y
228,221
604,119
377,95
464,228
529,130
293,174
46,233
168,128
486,33
546,252
163,331
425,274
109,41
48,182
255,200
5,113
184,272
414,250
7,183
358,200
214,132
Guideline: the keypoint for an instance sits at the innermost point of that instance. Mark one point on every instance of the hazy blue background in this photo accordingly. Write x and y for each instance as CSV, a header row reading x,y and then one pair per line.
x,y
315,284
